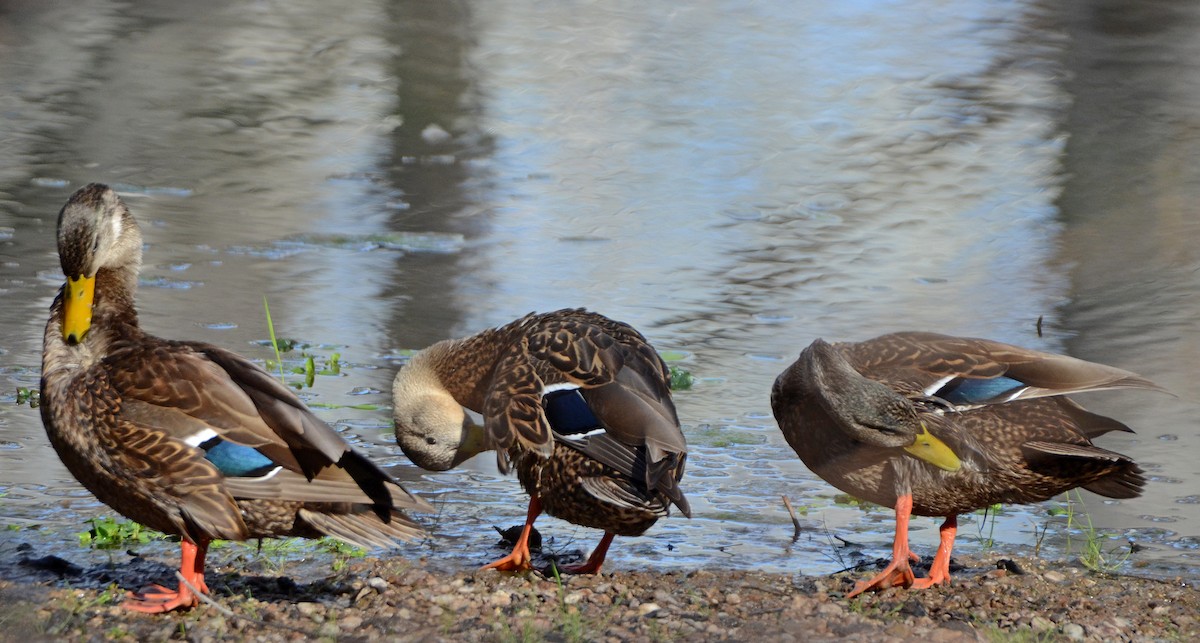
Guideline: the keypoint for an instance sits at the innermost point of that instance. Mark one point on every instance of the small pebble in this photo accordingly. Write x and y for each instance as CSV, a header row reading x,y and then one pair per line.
x,y
648,610
309,609
1055,576
377,583
1073,631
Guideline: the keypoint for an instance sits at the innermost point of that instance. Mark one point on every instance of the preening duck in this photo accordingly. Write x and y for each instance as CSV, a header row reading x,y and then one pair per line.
x,y
934,425
579,404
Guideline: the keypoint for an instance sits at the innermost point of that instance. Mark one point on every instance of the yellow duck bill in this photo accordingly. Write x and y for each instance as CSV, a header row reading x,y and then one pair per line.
x,y
77,308
932,450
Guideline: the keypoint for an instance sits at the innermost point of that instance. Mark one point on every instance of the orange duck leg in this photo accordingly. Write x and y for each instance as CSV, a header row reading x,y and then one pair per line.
x,y
939,572
156,598
592,566
898,572
520,559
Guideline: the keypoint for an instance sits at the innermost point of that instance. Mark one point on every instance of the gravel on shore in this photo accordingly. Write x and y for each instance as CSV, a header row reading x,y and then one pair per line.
x,y
991,599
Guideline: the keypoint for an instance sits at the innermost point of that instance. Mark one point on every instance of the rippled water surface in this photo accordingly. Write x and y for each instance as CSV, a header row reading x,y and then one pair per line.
x,y
736,179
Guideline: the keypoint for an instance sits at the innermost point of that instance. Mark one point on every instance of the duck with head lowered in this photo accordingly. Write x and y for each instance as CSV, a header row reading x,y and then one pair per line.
x,y
185,437
935,425
579,404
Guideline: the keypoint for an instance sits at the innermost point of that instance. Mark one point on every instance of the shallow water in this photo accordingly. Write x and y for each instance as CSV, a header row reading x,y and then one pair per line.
x,y
735,179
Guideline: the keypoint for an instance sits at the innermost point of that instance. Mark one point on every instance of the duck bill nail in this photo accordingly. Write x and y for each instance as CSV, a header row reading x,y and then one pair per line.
x,y
932,450
77,308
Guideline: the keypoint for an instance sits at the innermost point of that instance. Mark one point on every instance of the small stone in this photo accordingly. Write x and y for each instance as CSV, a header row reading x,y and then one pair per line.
x,y
573,598
1041,624
500,598
1055,576
1073,631
376,583
351,622
1159,610
830,609
996,573
330,630
648,610
310,609
733,599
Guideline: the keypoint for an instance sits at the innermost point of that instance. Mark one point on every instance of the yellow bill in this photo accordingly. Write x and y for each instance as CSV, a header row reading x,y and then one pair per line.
x,y
474,441
932,450
77,308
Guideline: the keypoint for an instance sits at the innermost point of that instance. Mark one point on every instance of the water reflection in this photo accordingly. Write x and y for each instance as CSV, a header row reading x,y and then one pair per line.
x,y
735,180
1129,236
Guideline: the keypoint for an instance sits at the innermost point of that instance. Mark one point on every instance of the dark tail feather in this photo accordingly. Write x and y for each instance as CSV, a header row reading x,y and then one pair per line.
x,y
380,487
1125,483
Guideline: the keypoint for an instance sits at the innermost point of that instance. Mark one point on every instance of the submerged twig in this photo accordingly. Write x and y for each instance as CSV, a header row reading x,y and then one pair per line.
x,y
795,521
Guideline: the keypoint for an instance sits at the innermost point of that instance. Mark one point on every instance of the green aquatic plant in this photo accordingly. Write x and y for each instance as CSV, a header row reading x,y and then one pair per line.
x,y
681,380
275,341
333,366
1092,554
342,552
30,396
109,533
990,511
330,405
720,437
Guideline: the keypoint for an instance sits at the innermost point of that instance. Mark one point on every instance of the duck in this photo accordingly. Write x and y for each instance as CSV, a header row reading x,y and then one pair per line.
x,y
935,425
185,437
577,403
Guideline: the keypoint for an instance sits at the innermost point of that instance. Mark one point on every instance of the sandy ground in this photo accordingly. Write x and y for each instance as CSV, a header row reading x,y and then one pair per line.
x,y
45,597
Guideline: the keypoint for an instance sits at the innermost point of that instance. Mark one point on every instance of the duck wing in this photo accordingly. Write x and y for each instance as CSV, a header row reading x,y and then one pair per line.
x,y
246,425
969,372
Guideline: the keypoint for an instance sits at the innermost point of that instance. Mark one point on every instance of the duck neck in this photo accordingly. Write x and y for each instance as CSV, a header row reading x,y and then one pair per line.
x,y
114,310
456,363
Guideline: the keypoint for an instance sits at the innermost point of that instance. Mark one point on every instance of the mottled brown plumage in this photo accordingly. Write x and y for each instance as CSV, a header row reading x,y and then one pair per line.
x,y
853,412
578,403
144,422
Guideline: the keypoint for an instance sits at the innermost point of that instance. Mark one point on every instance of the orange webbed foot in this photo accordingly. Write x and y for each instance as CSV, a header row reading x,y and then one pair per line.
x,y
518,561
157,599
897,574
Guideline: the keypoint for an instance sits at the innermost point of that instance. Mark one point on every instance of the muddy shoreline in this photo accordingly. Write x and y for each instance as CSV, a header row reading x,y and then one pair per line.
x,y
47,597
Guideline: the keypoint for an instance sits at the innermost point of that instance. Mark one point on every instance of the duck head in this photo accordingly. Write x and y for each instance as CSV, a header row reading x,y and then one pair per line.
x,y
95,232
871,412
432,428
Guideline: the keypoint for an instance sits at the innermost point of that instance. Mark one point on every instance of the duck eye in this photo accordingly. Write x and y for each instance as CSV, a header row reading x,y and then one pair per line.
x,y
430,441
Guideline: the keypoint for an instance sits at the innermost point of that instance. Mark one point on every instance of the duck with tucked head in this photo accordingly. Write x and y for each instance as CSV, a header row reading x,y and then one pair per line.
x,y
579,404
184,437
934,425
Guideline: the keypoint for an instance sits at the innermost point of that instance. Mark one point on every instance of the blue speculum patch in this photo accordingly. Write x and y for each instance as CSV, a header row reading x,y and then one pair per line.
x,y
235,460
568,413
975,391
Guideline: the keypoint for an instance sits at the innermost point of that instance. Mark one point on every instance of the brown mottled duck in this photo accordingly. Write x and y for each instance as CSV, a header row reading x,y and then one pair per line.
x,y
937,426
184,437
578,403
